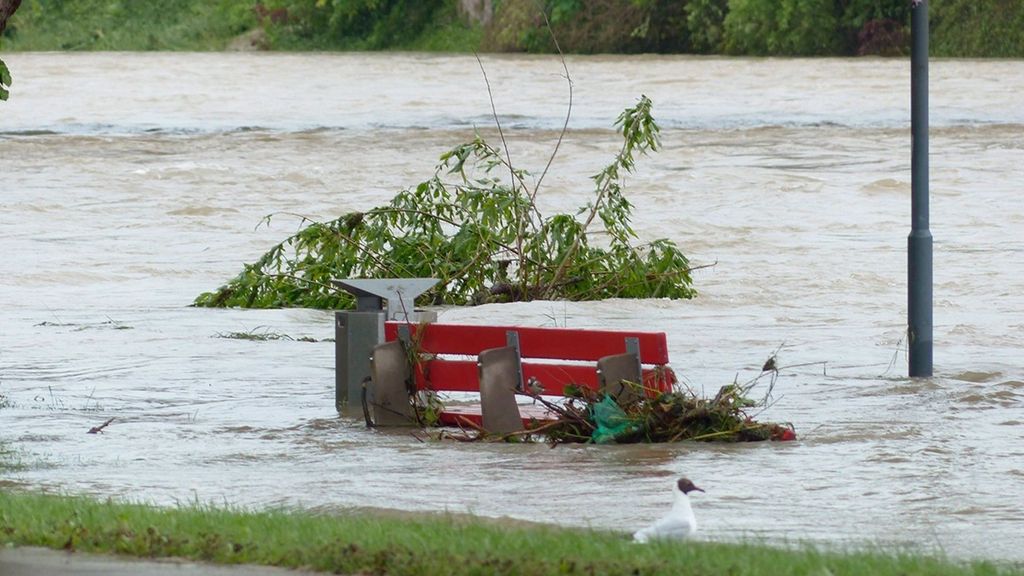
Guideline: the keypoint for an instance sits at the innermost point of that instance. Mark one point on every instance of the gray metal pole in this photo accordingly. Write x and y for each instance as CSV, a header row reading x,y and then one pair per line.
x,y
919,245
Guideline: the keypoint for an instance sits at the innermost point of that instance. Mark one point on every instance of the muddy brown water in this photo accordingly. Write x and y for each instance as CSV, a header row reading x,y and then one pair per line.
x,y
129,183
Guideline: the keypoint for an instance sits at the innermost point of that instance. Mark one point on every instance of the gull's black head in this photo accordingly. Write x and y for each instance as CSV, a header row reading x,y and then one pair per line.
x,y
686,486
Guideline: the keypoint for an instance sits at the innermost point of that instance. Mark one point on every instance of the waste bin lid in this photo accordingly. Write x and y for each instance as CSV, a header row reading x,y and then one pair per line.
x,y
400,293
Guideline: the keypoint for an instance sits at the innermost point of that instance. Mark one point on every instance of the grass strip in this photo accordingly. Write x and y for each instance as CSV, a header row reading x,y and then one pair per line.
x,y
415,544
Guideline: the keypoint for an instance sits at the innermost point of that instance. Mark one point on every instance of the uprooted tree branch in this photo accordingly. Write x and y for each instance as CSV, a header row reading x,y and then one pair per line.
x,y
483,236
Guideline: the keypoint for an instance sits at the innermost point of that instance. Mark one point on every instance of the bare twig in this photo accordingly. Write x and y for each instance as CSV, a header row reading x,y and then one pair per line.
x,y
469,423
497,122
568,112
896,353
98,429
531,431
265,221
306,280
523,221
802,364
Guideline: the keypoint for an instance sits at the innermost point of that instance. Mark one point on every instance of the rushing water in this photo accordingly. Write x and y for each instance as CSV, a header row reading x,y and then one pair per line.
x,y
129,183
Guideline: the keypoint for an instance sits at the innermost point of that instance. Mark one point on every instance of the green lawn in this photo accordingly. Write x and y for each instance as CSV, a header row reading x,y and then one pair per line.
x,y
110,25
421,544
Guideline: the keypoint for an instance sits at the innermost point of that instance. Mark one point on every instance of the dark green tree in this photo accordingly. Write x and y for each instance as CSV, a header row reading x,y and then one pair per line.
x,y
7,9
783,27
360,24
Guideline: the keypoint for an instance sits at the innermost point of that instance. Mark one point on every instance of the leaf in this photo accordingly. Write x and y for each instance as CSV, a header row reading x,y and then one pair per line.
x,y
5,81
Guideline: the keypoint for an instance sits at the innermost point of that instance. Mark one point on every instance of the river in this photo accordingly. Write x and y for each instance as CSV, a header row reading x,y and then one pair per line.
x,y
129,183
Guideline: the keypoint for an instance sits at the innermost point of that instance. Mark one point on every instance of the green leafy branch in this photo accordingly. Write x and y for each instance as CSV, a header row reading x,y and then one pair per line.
x,y
481,234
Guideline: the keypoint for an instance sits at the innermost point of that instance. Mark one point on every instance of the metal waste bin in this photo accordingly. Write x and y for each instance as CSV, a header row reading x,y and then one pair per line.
x,y
357,332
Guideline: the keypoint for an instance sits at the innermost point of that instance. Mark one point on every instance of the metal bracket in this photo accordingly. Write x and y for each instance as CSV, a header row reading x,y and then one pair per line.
x,y
405,335
512,339
633,347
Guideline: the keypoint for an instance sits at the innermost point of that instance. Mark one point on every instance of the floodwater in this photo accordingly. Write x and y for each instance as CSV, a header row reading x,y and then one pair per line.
x,y
129,183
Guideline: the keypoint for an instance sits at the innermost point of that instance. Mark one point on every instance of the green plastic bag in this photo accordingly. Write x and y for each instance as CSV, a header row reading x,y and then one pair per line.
x,y
610,422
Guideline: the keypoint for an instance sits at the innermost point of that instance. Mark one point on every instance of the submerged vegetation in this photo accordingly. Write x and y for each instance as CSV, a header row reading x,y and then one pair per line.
x,y
416,544
9,460
476,226
264,334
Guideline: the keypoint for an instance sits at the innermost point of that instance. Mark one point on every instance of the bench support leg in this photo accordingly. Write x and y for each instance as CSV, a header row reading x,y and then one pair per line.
x,y
613,371
500,374
389,397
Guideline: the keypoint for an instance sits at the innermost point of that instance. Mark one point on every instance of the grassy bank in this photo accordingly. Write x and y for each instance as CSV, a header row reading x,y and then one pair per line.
x,y
384,543
44,25
212,25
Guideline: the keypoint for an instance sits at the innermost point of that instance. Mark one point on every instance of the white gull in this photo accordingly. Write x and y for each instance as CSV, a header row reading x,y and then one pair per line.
x,y
679,523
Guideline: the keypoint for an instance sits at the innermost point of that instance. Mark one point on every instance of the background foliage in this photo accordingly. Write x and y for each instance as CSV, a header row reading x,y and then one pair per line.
x,y
976,28
366,24
759,27
796,27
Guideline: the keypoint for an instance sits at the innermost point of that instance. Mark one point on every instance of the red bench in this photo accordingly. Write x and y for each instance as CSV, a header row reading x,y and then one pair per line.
x,y
454,358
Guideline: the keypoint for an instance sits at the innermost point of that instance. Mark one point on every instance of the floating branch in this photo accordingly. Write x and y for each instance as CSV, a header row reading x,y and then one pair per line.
x,y
479,231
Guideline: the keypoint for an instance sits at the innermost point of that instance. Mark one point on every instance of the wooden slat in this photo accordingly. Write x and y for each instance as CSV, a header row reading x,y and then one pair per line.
x,y
456,416
446,375
553,343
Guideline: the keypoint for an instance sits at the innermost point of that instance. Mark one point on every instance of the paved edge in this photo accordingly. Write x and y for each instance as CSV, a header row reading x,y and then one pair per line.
x,y
34,561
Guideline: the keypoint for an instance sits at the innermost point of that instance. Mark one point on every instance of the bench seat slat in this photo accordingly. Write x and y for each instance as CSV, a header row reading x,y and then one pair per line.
x,y
461,376
551,343
456,416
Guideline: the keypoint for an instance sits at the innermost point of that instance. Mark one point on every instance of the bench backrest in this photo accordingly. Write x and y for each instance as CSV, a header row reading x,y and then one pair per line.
x,y
547,354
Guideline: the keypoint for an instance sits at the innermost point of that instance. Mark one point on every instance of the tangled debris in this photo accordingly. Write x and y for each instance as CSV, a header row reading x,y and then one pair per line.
x,y
647,416
669,417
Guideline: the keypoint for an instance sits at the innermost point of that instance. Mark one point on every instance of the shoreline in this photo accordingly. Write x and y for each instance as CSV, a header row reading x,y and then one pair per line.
x,y
398,542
